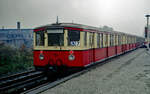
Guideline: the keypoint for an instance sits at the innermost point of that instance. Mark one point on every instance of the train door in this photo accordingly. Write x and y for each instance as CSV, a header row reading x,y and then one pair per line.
x,y
91,44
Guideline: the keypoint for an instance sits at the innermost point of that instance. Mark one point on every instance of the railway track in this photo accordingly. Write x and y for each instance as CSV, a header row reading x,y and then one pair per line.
x,y
50,85
21,81
33,82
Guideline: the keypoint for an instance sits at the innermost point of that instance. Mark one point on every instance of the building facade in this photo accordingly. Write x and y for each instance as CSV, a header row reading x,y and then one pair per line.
x,y
17,37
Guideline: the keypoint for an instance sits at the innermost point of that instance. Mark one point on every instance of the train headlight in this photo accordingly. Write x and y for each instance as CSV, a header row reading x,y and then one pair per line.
x,y
41,56
71,57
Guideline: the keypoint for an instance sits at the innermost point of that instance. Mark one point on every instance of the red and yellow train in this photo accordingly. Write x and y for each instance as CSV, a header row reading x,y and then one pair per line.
x,y
70,45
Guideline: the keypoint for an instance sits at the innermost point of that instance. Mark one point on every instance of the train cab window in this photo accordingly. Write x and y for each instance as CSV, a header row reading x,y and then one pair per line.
x,y
73,38
40,38
55,37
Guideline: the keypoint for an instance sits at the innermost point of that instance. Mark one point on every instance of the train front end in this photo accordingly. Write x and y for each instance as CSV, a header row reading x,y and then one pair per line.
x,y
57,47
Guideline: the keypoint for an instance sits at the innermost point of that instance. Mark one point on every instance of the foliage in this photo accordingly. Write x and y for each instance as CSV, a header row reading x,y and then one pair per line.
x,y
14,60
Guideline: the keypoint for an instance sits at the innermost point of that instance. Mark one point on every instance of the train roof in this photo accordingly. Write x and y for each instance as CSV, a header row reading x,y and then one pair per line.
x,y
81,26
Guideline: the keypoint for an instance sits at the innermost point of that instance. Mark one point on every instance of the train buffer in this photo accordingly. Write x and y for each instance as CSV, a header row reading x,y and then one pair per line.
x,y
126,74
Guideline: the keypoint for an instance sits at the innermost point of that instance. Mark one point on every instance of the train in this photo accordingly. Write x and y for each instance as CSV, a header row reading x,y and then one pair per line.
x,y
69,46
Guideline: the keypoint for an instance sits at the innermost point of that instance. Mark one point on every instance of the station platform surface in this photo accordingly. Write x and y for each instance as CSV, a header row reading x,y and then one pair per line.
x,y
126,74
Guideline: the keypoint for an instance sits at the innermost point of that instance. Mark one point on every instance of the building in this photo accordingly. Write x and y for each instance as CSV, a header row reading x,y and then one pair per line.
x,y
17,37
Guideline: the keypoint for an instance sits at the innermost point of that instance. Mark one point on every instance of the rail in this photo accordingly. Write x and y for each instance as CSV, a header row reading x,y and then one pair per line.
x,y
19,81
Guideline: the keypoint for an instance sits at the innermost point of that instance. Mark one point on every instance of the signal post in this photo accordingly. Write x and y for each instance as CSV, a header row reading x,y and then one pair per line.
x,y
147,29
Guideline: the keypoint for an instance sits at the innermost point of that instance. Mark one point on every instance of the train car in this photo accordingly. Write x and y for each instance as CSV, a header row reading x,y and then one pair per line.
x,y
73,46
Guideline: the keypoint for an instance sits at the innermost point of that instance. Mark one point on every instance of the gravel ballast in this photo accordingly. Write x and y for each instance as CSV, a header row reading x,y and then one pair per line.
x,y
126,74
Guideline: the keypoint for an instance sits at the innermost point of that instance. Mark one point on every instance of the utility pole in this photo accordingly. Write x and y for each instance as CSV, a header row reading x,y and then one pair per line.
x,y
147,16
57,20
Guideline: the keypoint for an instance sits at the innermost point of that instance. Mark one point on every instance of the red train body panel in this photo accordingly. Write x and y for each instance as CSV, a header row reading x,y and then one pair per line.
x,y
111,51
100,53
82,58
60,58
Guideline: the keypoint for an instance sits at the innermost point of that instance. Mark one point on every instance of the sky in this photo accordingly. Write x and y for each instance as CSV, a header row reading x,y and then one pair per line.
x,y
123,15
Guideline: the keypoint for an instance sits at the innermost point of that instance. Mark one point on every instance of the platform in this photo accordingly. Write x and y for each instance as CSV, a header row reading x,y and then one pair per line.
x,y
126,74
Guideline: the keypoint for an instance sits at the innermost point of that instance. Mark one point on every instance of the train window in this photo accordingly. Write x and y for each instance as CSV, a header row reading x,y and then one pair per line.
x,y
73,38
55,37
104,40
110,44
119,40
40,38
85,39
114,40
98,40
91,39
121,37
128,39
125,40
101,40
132,39
110,40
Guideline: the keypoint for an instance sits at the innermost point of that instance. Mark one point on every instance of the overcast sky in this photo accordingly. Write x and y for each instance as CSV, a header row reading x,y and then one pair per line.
x,y
123,15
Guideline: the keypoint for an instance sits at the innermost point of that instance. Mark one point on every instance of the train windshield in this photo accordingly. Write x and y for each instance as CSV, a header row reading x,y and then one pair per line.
x,y
73,38
55,37
40,38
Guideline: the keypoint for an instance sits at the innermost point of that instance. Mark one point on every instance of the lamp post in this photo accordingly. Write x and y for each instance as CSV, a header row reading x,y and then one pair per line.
x,y
147,16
